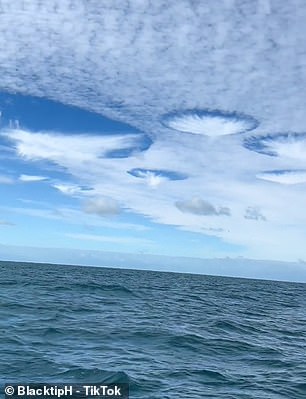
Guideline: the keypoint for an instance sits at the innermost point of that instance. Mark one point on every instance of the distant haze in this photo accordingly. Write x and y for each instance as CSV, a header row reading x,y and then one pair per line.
x,y
232,267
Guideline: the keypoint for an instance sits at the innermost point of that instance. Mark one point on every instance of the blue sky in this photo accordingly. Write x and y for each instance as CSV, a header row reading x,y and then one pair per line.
x,y
141,128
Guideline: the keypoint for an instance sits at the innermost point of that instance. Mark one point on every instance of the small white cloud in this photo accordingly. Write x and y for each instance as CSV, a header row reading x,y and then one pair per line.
x,y
198,206
102,207
253,213
153,179
69,189
31,178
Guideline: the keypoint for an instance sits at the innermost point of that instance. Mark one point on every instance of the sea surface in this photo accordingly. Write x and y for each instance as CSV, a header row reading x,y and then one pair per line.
x,y
168,335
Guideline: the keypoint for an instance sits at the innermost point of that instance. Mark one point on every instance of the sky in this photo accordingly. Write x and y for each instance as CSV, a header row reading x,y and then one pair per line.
x,y
165,128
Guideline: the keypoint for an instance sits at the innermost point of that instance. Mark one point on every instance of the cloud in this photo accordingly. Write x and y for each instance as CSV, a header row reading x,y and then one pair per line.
x,y
102,207
71,189
209,123
253,213
154,180
128,68
287,145
56,147
287,177
214,171
31,178
109,239
154,177
72,216
6,223
168,57
151,178
6,180
198,206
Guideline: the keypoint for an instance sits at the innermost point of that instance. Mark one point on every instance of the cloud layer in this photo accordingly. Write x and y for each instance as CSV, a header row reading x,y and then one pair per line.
x,y
287,145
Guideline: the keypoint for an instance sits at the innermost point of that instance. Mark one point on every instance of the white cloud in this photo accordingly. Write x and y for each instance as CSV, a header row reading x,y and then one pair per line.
x,y
31,178
56,147
152,179
70,189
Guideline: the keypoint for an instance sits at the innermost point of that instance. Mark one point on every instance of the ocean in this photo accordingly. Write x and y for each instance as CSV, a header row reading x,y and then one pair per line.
x,y
168,335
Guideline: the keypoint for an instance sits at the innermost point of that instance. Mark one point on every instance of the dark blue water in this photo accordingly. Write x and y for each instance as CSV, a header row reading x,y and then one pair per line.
x,y
169,335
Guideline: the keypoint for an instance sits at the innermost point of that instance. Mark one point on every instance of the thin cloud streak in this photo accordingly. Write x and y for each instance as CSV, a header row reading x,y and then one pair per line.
x,y
31,178
108,239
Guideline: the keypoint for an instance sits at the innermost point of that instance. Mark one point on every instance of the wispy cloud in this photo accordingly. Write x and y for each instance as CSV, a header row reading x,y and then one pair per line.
x,y
70,189
109,239
31,178
57,147
72,216
284,176
6,223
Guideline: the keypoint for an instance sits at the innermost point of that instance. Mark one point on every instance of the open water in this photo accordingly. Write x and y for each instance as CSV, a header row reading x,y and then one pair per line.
x,y
168,335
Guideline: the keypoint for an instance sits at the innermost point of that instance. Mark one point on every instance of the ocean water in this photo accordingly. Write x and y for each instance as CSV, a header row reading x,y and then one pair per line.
x,y
168,335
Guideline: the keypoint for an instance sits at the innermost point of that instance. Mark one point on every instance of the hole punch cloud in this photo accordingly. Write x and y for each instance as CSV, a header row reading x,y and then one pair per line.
x,y
288,145
210,123
155,177
56,147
